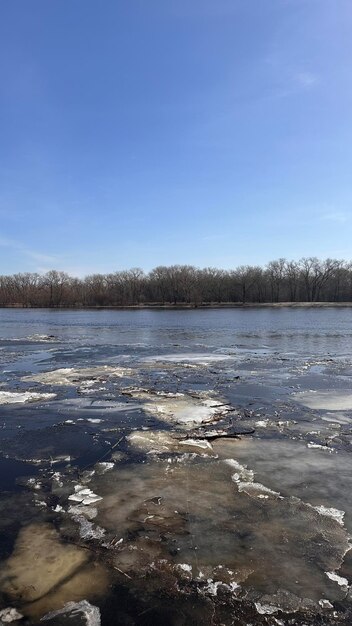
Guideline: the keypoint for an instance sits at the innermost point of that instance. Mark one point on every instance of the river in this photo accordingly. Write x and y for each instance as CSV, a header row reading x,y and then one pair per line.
x,y
176,466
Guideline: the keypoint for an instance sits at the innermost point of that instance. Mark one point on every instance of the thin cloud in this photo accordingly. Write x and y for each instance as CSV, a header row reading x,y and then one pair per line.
x,y
336,216
35,255
307,79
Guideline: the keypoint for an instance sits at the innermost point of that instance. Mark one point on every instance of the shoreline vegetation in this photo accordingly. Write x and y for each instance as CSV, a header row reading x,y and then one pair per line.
x,y
189,306
307,282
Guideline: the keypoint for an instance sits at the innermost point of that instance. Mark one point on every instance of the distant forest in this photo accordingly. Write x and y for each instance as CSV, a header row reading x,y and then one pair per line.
x,y
307,280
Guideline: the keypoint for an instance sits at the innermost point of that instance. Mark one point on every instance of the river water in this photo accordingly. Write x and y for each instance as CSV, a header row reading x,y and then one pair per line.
x,y
176,466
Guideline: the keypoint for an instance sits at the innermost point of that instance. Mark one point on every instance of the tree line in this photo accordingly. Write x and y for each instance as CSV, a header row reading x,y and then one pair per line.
x,y
307,280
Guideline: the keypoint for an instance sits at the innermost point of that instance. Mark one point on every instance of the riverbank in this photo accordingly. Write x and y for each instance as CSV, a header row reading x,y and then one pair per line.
x,y
180,306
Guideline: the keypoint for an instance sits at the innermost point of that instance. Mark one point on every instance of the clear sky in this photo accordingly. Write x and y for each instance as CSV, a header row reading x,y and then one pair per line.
x,y
148,132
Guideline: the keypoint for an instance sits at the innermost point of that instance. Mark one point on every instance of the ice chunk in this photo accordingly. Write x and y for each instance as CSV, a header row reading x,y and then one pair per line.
x,y
343,582
18,397
213,587
187,411
331,512
257,490
90,612
242,472
90,512
266,609
160,441
39,337
325,604
318,446
103,467
203,358
84,495
185,567
203,444
75,376
87,529
10,615
91,499
334,400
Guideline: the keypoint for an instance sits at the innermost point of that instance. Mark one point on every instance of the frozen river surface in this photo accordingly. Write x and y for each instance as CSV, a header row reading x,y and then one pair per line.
x,y
176,467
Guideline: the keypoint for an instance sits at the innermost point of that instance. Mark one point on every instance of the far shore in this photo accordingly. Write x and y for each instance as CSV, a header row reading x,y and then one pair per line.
x,y
184,306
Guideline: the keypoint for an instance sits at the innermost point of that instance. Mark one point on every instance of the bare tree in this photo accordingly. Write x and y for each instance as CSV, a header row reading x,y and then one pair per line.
x,y
55,283
276,273
309,280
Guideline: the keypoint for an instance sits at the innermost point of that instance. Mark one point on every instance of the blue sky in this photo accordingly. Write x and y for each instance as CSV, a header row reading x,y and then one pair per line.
x,y
147,132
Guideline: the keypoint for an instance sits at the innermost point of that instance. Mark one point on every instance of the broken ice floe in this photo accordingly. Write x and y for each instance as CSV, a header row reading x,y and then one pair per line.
x,y
43,337
262,423
89,511
84,495
334,400
158,442
266,609
184,503
242,472
340,580
184,567
244,479
198,358
256,490
22,397
89,612
331,512
71,376
9,615
103,466
325,604
185,410
212,587
318,446
87,529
